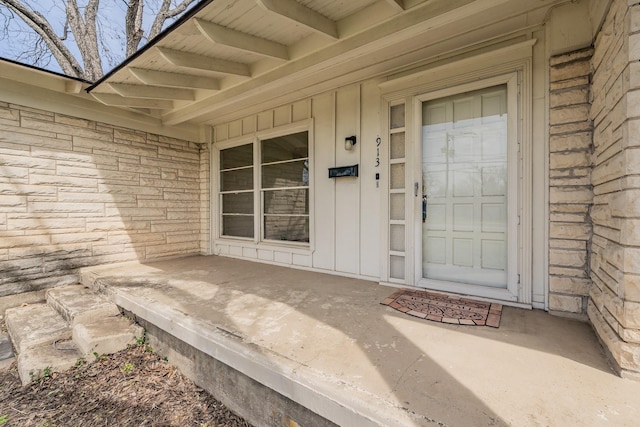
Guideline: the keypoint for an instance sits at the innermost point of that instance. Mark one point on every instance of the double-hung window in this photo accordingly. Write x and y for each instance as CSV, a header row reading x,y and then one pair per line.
x,y
264,189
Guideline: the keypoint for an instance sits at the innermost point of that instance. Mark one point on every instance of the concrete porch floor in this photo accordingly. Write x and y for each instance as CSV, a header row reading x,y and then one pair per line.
x,y
326,342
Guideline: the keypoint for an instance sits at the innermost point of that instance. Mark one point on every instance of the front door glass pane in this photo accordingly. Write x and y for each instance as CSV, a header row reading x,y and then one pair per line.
x,y
464,180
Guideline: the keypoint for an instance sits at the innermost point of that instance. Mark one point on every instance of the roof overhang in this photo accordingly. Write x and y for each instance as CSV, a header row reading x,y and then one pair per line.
x,y
230,58
28,86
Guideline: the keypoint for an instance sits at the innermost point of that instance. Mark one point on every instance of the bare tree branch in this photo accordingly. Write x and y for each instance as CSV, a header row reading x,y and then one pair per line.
x,y
42,27
133,23
93,37
86,36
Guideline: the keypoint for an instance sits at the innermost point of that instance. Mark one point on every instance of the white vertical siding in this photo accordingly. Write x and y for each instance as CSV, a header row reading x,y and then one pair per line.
x,y
347,195
370,122
324,188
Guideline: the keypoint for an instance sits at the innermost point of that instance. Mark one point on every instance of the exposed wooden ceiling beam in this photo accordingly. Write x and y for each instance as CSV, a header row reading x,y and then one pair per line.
x,y
121,101
201,62
237,40
301,14
397,4
152,92
161,78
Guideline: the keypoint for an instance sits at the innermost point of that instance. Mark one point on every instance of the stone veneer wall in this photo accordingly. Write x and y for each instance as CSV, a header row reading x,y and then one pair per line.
x,y
570,192
75,193
614,308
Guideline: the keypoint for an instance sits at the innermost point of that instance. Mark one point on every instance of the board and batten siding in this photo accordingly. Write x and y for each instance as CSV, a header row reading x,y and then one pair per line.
x,y
344,212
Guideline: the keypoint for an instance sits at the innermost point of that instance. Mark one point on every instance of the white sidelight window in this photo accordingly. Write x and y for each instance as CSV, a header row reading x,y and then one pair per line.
x,y
264,189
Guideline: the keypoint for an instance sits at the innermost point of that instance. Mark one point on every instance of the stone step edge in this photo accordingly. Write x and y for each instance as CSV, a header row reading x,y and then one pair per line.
x,y
90,338
61,333
102,310
43,360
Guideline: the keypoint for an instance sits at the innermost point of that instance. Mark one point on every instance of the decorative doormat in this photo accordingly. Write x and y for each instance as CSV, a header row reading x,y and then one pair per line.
x,y
445,308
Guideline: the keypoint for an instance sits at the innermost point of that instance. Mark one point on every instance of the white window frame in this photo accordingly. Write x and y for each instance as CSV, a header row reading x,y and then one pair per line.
x,y
255,139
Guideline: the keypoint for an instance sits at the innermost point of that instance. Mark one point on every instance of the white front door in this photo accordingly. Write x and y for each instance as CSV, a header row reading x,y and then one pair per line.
x,y
468,221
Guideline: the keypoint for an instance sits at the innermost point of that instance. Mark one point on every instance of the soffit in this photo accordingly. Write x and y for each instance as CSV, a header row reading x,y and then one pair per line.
x,y
232,54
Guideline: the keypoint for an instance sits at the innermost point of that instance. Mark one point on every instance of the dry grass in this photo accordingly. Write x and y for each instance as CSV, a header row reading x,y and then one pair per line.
x,y
131,388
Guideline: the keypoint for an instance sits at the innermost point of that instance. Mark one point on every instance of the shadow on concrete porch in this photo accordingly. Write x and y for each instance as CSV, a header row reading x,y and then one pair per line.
x,y
325,343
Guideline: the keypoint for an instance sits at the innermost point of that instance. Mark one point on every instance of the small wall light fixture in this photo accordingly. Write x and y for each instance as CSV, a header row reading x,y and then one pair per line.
x,y
349,142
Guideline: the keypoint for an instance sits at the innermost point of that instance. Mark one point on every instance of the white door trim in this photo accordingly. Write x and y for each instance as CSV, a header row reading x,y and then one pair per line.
x,y
515,60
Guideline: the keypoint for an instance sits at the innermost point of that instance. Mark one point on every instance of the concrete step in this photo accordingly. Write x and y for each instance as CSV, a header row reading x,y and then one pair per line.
x,y
44,359
106,336
33,325
78,304
75,322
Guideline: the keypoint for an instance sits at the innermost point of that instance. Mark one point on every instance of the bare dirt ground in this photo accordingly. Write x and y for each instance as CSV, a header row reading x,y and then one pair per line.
x,y
134,387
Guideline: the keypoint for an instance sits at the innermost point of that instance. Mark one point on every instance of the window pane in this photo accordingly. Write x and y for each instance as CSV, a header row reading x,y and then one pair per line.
x,y
237,226
397,116
396,208
396,237
397,176
292,174
240,179
288,147
397,145
289,228
236,157
287,202
396,264
241,203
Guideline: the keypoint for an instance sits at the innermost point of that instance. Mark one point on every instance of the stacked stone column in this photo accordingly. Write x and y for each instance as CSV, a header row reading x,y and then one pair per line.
x,y
570,191
614,306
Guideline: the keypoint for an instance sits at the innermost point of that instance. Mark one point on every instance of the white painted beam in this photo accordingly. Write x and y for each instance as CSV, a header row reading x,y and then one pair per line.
x,y
242,41
121,101
152,92
429,17
201,62
73,86
397,4
301,14
161,78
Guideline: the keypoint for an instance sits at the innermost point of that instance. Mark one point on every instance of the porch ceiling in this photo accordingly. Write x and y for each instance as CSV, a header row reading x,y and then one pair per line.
x,y
231,55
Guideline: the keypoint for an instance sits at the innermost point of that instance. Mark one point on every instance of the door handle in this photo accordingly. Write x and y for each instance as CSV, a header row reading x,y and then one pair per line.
x,y
416,187
424,208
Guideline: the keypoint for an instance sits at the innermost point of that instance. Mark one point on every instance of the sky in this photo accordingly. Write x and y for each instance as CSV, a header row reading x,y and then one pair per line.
x,y
110,23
